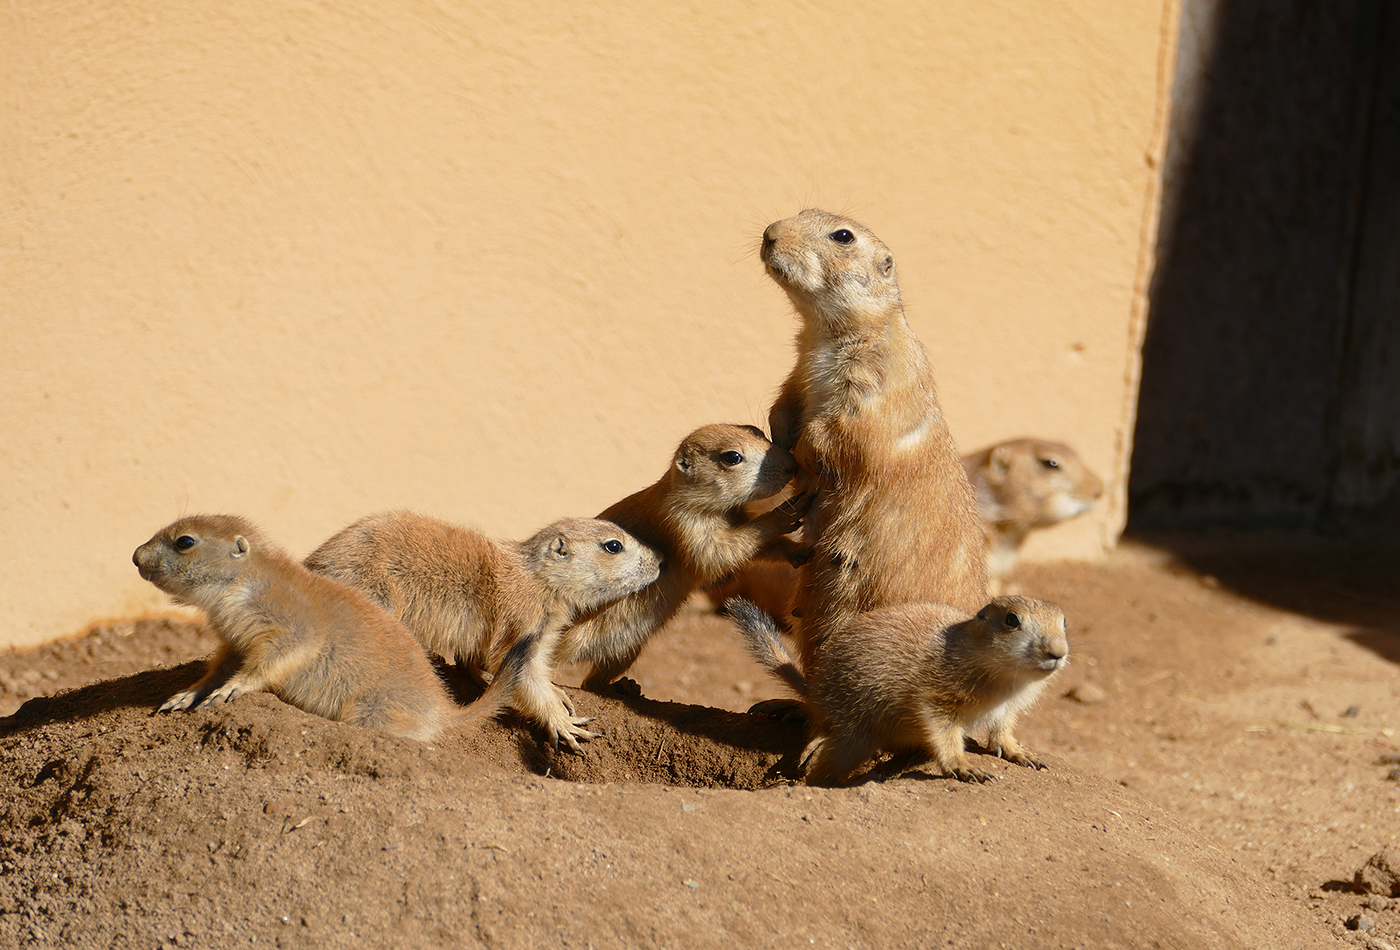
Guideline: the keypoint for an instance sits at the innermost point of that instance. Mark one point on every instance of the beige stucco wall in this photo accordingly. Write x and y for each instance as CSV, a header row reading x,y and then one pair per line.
x,y
302,261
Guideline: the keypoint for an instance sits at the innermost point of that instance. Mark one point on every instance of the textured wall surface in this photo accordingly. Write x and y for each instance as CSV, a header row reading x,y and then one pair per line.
x,y
1270,395
309,260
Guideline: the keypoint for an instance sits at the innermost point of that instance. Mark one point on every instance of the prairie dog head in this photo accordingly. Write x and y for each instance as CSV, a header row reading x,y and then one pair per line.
x,y
834,270
589,563
1031,483
1021,637
194,559
721,467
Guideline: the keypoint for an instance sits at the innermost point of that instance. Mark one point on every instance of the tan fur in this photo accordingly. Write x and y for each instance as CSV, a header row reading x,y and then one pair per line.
x,y
894,519
1024,484
498,606
769,584
918,677
693,516
312,642
1021,486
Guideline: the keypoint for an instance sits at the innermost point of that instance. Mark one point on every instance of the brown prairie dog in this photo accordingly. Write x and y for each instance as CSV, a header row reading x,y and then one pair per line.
x,y
1024,484
1021,485
492,605
918,677
693,516
314,643
894,519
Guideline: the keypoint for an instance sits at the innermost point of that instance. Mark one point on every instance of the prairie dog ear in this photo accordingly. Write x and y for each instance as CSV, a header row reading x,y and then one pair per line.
x,y
886,265
560,547
683,461
241,546
999,463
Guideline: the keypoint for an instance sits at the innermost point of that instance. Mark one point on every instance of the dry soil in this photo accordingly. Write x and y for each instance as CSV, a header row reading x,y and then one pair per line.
x,y
1224,756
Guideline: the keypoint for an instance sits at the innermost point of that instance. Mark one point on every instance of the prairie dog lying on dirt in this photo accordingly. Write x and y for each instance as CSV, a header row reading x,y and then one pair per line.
x,y
693,516
917,676
498,606
1024,484
894,519
313,643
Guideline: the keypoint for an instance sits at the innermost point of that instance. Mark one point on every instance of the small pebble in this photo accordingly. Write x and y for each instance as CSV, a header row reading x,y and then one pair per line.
x,y
692,884
1360,922
627,687
687,807
1381,873
1352,712
1086,693
1393,775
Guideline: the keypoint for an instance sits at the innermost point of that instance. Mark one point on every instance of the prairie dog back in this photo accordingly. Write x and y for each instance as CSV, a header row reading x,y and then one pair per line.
x,y
466,596
493,606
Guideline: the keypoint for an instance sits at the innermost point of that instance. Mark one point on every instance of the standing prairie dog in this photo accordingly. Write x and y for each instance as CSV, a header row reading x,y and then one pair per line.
x,y
313,643
693,516
496,606
1021,485
894,519
1024,484
918,676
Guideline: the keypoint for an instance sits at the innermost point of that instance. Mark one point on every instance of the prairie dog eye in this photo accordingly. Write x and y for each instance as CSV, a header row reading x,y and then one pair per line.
x,y
730,458
843,236
612,546
1012,621
1050,462
184,542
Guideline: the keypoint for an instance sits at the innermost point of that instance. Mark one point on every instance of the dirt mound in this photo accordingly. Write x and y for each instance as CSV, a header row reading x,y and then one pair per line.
x,y
1192,801
259,821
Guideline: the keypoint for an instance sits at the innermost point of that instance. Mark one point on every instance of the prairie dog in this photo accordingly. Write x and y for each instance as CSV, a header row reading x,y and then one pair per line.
x,y
1021,486
694,517
496,606
1026,484
918,676
313,643
894,519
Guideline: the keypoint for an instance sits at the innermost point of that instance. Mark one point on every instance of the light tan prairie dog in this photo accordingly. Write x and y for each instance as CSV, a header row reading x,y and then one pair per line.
x,y
315,644
1021,485
694,517
1025,484
498,606
894,519
918,677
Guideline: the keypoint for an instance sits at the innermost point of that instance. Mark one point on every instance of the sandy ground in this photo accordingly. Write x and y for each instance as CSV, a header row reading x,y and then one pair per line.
x,y
1224,756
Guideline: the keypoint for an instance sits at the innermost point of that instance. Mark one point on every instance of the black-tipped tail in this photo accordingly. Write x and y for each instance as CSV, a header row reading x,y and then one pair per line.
x,y
764,643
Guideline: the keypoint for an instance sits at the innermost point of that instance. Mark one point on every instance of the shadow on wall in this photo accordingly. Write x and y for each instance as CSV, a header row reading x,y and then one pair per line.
x,y
1271,366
